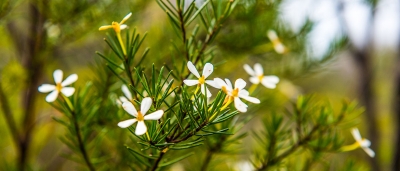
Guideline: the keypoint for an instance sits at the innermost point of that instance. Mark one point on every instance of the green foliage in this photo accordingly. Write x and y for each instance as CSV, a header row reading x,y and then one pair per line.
x,y
310,131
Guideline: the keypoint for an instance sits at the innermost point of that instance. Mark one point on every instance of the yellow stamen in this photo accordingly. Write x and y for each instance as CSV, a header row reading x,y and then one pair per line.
x,y
202,80
235,92
140,116
58,87
260,77
116,27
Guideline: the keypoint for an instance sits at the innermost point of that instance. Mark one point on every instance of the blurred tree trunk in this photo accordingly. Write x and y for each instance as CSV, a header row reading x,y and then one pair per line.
x,y
367,98
396,105
30,47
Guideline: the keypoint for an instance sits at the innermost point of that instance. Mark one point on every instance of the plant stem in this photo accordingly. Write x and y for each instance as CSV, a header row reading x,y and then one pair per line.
x,y
78,134
180,12
81,144
155,165
190,134
121,43
289,151
207,160
8,115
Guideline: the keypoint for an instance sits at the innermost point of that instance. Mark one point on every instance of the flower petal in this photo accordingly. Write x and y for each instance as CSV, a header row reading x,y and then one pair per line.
x,y
105,27
271,78
126,123
45,88
212,83
126,18
58,76
69,80
52,96
140,128
154,116
145,105
123,26
229,83
254,80
244,92
356,134
128,107
123,99
249,70
365,143
126,91
191,82
208,69
68,91
268,84
250,99
203,88
240,84
369,151
193,69
239,105
258,69
219,83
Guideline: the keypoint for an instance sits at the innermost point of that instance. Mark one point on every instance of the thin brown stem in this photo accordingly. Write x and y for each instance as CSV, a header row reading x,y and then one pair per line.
x,y
81,143
155,165
77,130
207,160
183,30
201,126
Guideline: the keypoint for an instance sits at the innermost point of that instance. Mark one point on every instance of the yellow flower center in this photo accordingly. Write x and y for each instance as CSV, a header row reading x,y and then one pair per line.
x,y
140,116
235,92
58,87
202,80
260,77
116,27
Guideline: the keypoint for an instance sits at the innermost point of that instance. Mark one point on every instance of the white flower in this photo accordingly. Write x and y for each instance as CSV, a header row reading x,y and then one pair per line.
x,y
117,26
236,93
362,142
208,69
127,97
257,76
140,115
244,165
59,87
278,46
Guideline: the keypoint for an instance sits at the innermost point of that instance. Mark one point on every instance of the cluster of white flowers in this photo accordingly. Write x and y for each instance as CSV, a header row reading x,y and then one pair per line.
x,y
233,93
